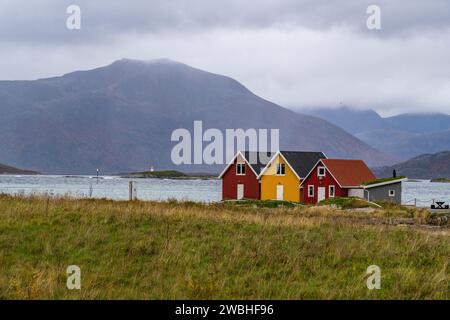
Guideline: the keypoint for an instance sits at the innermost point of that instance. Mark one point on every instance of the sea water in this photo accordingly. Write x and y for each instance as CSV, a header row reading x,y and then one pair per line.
x,y
423,193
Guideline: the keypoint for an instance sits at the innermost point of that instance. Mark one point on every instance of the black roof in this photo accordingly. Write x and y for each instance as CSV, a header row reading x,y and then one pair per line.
x,y
258,160
302,161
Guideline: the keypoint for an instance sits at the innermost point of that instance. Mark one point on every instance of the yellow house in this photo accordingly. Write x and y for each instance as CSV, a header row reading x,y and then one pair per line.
x,y
281,178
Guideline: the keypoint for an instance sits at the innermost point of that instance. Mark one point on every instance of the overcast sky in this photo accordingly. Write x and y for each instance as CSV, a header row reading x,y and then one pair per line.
x,y
298,53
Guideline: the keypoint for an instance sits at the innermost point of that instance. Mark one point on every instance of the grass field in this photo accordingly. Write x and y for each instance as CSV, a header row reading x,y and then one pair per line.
x,y
171,250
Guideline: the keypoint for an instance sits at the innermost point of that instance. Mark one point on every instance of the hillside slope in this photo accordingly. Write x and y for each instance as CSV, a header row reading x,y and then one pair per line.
x,y
4,169
119,118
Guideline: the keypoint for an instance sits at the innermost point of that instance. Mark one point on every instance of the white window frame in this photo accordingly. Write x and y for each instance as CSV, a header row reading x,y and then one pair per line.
x,y
318,171
329,191
311,194
391,193
240,165
280,166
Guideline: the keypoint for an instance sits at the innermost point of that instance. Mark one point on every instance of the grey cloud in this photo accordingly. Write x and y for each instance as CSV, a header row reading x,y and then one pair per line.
x,y
44,20
294,52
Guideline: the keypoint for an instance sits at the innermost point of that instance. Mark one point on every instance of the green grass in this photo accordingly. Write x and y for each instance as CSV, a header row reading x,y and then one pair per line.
x,y
441,180
348,203
264,203
176,250
380,180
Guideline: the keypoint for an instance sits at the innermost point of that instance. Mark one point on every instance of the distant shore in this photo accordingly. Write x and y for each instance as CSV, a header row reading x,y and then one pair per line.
x,y
169,174
163,174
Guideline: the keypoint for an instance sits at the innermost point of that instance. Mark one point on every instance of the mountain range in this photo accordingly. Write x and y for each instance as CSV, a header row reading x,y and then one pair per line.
x,y
426,166
404,135
119,118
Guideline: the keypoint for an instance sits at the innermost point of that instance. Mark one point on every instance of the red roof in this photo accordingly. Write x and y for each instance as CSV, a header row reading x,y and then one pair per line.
x,y
349,173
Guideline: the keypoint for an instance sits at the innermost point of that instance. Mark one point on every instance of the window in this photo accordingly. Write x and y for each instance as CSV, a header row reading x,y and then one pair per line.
x,y
310,191
280,169
321,171
331,191
391,193
240,169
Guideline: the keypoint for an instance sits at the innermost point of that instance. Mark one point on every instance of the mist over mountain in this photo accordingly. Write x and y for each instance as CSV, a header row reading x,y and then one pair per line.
x,y
404,135
120,118
352,121
406,145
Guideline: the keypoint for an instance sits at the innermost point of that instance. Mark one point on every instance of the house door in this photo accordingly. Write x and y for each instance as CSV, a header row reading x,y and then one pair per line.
x,y
280,192
240,191
320,194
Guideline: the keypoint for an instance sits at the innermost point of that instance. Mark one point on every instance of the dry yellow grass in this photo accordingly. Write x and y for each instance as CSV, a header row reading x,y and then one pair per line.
x,y
171,250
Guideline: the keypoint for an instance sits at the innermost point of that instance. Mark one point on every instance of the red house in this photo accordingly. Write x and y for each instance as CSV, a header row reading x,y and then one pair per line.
x,y
331,178
240,177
